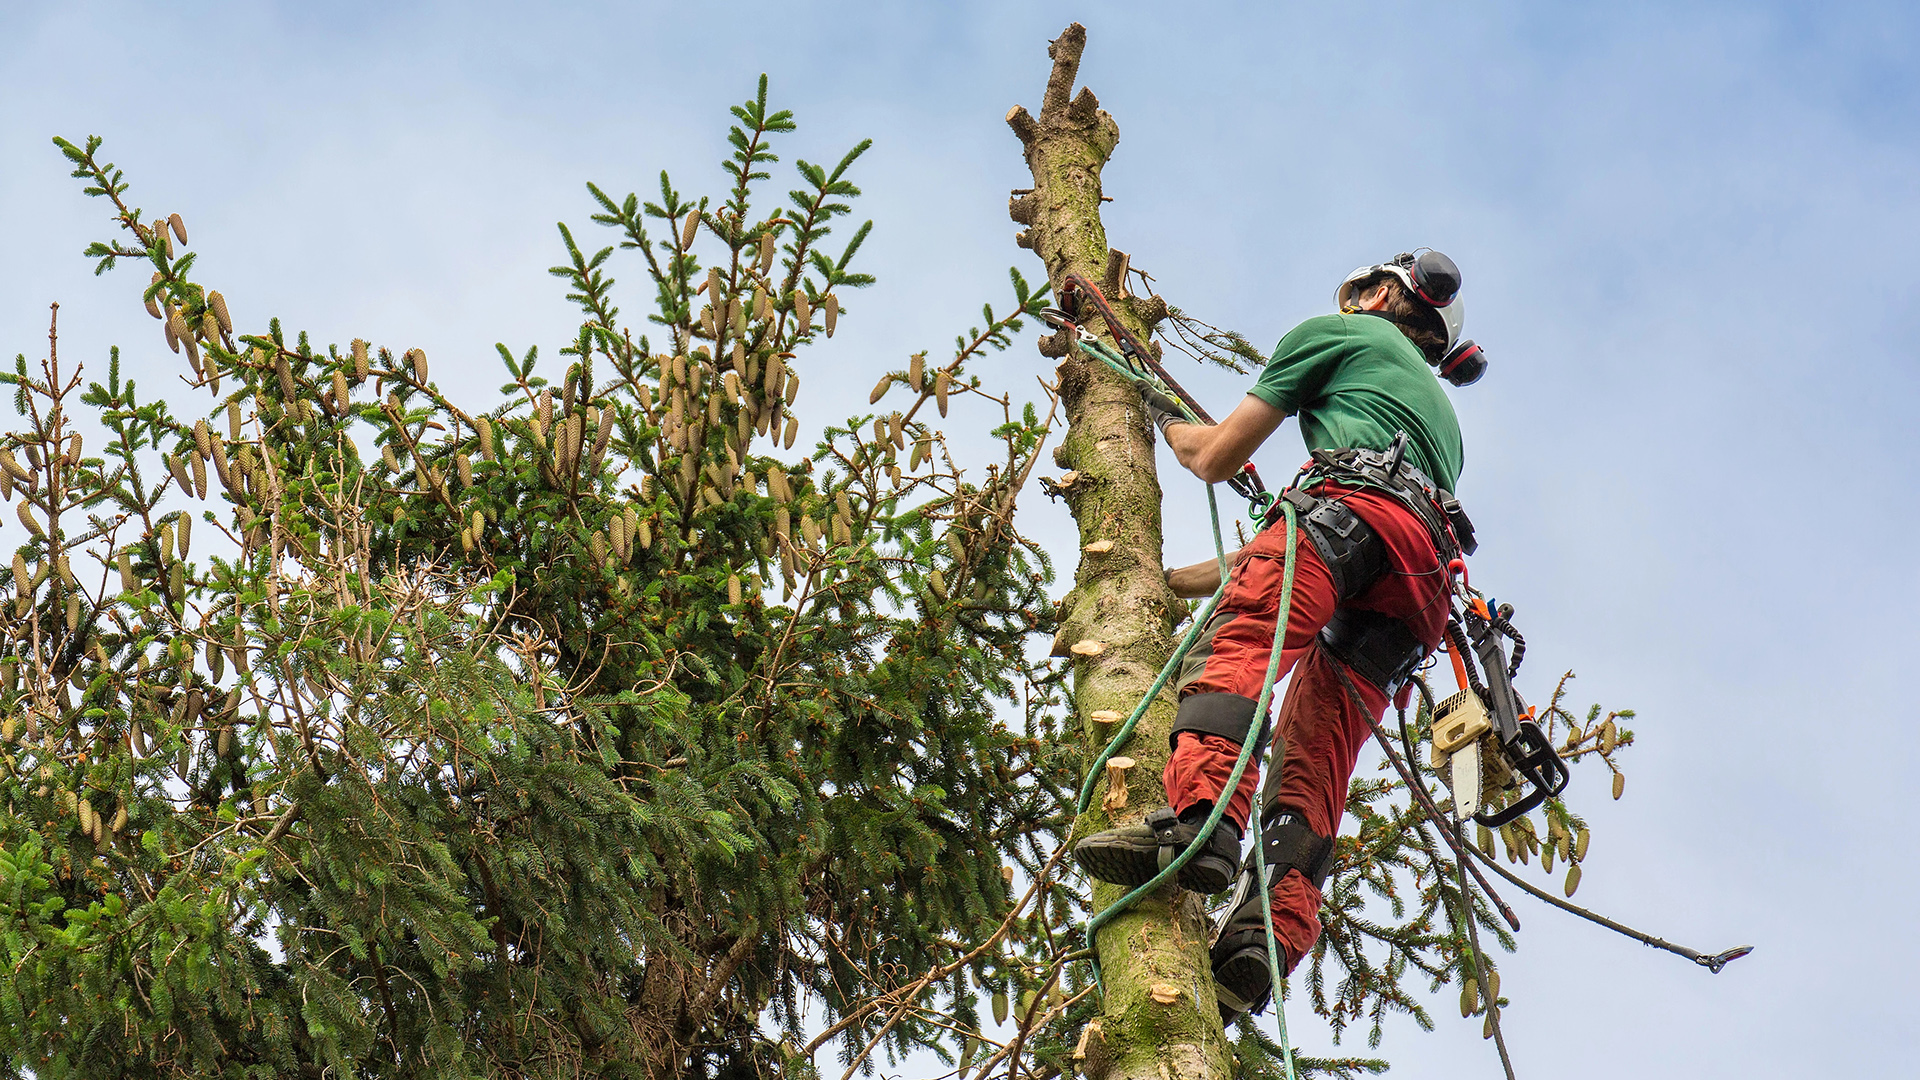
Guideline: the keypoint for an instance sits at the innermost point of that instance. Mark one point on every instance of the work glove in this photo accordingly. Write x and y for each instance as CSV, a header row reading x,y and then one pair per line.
x,y
1162,408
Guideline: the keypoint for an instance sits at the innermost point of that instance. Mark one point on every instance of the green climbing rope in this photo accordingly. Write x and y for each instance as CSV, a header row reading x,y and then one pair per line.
x,y
1247,748
1259,846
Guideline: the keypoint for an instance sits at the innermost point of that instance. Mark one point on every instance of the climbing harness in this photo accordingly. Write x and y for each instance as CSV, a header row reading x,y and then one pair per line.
x,y
1379,647
1355,555
1389,472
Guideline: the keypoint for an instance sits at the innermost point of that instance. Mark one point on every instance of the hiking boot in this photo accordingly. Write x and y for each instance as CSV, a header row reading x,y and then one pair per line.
x,y
1242,977
1133,854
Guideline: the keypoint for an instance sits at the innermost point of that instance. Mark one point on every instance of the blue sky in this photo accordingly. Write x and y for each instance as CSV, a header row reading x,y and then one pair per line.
x,y
1687,232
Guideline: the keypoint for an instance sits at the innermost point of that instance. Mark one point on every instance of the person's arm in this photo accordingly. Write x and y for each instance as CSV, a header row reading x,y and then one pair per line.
x,y
1214,452
1200,579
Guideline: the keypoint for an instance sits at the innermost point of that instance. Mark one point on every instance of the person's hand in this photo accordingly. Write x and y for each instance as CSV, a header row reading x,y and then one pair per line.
x,y
1162,408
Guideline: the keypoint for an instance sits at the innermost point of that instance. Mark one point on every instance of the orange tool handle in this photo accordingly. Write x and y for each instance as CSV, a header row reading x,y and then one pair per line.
x,y
1459,666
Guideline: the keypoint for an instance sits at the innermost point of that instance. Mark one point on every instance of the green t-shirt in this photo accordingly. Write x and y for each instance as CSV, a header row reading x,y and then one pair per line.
x,y
1355,380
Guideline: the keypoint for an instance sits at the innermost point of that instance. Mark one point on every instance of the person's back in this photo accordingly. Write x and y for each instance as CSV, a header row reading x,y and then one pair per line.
x,y
1356,380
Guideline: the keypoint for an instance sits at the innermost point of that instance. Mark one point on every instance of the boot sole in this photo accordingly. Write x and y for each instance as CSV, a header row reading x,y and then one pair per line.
x,y
1243,981
1125,861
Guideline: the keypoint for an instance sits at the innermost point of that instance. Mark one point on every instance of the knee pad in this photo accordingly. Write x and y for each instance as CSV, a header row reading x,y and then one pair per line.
x,y
1226,715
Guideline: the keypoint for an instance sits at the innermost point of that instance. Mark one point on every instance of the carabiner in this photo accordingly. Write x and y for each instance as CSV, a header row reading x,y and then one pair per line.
x,y
1056,317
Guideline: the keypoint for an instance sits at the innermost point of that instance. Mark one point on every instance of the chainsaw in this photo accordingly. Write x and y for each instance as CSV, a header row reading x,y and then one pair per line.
x,y
1486,742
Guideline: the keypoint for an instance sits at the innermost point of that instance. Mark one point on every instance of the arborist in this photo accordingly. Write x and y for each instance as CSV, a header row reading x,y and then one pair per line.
x,y
1379,529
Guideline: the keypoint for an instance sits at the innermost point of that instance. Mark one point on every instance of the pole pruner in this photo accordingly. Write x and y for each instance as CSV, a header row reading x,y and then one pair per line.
x,y
1134,361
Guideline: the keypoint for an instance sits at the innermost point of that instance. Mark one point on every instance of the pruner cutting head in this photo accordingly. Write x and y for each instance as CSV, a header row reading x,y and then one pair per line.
x,y
1719,960
1060,320
1055,317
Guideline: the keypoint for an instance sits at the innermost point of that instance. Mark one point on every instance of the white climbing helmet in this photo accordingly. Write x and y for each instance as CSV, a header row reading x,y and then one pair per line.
x,y
1428,275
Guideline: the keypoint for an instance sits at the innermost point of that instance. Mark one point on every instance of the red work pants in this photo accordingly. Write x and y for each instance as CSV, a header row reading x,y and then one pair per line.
x,y
1320,730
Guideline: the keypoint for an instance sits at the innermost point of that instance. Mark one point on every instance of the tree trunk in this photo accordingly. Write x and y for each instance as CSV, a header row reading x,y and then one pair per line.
x,y
1120,599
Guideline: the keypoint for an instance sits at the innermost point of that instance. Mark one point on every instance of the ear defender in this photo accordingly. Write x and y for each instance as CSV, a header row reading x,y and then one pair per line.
x,y
1464,364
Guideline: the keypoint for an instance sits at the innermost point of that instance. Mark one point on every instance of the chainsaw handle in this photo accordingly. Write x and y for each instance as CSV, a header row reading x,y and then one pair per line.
x,y
1522,742
1532,756
1493,819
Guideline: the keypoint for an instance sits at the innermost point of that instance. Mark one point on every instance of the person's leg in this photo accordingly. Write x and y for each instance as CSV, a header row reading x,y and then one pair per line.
x,y
1221,679
1321,730
1220,685
1324,731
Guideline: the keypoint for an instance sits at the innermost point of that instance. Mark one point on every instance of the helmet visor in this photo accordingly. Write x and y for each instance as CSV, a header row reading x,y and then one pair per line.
x,y
1454,317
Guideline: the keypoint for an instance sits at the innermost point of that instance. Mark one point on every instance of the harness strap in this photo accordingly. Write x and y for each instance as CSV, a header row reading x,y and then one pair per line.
x,y
1389,471
1288,843
1229,716
1355,555
1166,829
1379,648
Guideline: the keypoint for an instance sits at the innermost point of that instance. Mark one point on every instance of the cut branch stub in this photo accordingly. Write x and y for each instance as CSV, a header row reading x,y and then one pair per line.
x,y
1116,797
1114,281
1151,309
1085,108
1087,1036
1024,126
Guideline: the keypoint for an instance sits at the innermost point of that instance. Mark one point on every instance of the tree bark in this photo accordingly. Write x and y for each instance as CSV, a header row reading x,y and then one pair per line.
x,y
1120,598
